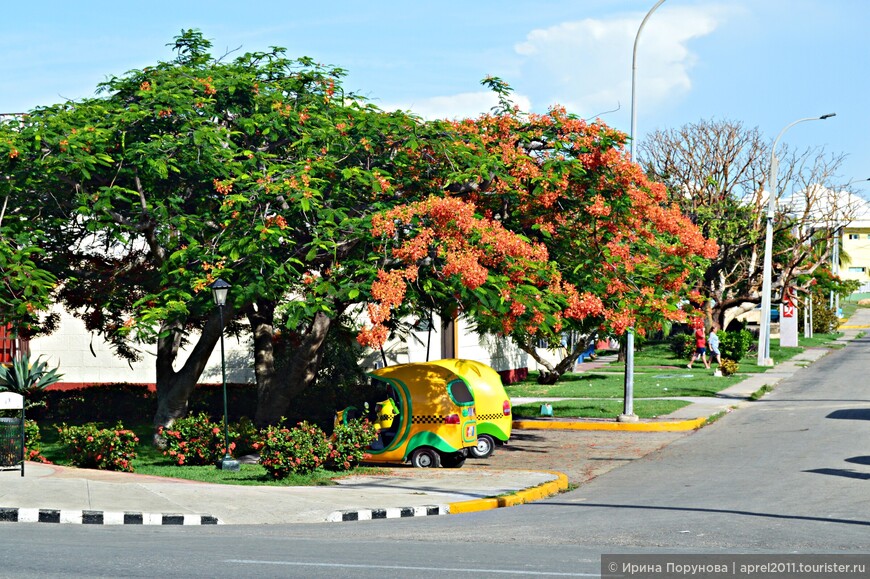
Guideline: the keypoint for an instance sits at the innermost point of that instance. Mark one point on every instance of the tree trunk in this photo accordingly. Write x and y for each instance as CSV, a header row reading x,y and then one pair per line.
x,y
552,373
274,400
175,387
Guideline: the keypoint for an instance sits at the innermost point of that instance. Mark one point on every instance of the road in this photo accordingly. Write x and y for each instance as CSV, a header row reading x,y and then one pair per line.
x,y
787,474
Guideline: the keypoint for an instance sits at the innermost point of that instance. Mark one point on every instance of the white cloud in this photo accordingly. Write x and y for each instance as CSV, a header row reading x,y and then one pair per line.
x,y
458,106
589,61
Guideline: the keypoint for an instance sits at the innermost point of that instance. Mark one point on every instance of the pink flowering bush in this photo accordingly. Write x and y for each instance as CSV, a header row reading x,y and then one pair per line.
x,y
298,450
196,440
349,442
89,446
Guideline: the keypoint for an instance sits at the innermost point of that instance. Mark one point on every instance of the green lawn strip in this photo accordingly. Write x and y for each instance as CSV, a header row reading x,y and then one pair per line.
x,y
650,383
151,461
658,372
589,408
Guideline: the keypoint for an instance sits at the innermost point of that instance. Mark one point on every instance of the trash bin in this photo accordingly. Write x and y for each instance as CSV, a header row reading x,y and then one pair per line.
x,y
12,432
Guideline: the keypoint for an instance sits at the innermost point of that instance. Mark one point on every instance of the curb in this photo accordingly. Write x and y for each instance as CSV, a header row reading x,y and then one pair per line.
x,y
389,513
24,515
528,495
671,426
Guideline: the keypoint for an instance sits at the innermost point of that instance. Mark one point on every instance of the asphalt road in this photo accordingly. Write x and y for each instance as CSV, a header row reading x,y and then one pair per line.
x,y
788,474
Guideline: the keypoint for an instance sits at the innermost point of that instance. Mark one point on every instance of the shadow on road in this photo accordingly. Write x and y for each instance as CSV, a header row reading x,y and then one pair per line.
x,y
703,510
851,414
841,472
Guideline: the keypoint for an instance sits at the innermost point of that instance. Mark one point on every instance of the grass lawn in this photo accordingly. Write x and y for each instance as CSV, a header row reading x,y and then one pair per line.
x,y
648,383
658,372
589,408
150,460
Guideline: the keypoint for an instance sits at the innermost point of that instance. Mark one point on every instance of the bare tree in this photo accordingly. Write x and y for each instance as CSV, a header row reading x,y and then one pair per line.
x,y
717,172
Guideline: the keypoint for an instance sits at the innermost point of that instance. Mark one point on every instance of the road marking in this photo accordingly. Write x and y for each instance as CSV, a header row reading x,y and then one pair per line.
x,y
407,568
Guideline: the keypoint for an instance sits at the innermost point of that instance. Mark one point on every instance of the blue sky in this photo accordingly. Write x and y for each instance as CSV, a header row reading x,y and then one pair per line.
x,y
765,63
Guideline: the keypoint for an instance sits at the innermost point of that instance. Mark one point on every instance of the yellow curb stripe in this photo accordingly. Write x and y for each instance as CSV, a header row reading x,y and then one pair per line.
x,y
680,426
854,327
529,495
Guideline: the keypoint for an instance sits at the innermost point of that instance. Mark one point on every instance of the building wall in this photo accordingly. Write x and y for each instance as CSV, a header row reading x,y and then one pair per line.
x,y
856,243
87,359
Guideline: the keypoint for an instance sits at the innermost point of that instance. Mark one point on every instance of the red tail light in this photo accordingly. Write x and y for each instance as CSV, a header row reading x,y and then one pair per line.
x,y
451,419
506,407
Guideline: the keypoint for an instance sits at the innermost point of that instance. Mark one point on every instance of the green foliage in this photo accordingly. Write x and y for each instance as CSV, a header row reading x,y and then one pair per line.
x,y
301,449
196,440
349,442
247,436
734,344
825,320
683,345
89,446
24,377
97,403
33,442
729,367
27,287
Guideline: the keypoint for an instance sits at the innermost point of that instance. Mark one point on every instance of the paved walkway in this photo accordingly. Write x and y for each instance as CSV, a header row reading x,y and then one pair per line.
x,y
49,493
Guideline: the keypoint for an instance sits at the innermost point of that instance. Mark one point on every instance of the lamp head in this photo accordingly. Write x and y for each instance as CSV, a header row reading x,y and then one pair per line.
x,y
219,291
827,116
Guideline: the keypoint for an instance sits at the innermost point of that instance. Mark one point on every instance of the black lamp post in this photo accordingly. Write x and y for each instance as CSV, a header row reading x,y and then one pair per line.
x,y
219,290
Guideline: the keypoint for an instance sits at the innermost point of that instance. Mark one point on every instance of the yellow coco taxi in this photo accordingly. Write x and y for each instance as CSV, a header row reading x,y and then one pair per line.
x,y
491,403
424,413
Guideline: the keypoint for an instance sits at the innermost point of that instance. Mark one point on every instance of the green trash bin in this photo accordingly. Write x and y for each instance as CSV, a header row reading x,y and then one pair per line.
x,y
12,432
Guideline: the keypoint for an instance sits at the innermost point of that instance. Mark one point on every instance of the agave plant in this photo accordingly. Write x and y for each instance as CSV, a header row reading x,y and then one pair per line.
x,y
23,377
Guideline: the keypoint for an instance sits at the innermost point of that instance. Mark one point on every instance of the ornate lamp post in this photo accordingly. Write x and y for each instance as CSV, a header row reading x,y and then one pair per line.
x,y
219,291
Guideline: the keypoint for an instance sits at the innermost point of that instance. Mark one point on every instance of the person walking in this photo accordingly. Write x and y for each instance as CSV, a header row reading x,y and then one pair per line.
x,y
700,348
713,342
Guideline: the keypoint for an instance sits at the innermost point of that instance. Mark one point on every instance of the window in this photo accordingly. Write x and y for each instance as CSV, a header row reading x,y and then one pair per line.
x,y
854,236
857,269
460,393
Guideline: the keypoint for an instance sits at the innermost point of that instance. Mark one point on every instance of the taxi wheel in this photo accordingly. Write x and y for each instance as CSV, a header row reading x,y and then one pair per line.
x,y
485,446
425,458
453,460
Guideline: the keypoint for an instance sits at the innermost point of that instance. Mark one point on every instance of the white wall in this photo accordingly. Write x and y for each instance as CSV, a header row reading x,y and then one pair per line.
x,y
83,357
87,358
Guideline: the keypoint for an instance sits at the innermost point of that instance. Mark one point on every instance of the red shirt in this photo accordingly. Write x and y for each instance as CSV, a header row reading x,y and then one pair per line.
x,y
700,341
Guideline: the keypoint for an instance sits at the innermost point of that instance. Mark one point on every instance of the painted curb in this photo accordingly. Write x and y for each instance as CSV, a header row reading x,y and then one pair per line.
x,y
389,513
665,426
529,495
79,517
536,493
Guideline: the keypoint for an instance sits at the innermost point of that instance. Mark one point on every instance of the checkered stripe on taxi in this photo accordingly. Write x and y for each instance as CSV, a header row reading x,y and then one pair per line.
x,y
430,419
491,416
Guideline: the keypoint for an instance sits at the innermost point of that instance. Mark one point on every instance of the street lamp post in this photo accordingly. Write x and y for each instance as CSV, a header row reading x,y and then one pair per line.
x,y
219,290
764,358
628,414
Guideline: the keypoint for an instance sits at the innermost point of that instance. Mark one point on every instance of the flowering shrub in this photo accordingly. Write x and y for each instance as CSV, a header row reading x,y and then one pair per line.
x,y
247,436
89,446
349,442
195,440
32,442
300,450
728,367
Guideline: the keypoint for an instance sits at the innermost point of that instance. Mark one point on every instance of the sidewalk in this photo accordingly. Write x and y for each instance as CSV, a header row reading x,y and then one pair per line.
x,y
49,493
